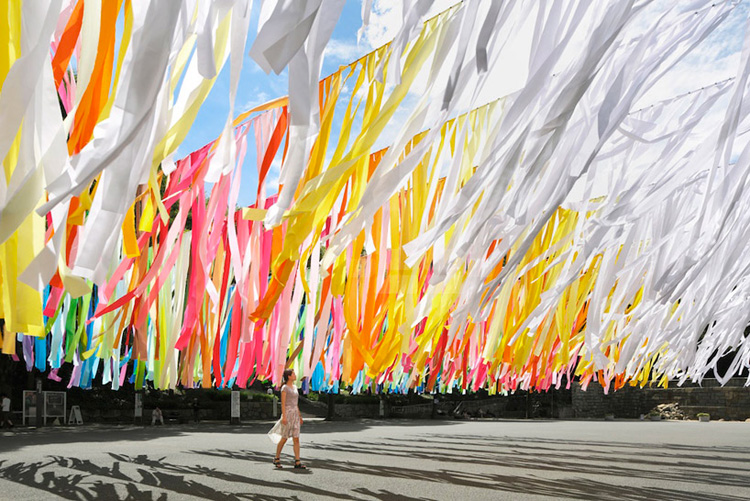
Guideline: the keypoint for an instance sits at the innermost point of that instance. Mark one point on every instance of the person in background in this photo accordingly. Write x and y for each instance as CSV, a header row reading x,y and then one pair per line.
x,y
156,416
290,418
6,412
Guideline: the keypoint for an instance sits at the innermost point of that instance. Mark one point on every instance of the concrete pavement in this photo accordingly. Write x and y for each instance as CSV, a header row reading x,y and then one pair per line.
x,y
382,460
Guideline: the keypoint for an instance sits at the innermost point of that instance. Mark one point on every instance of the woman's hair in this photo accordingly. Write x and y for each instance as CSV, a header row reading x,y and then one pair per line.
x,y
287,374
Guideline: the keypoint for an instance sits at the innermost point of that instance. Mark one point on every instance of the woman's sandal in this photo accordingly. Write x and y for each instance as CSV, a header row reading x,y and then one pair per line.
x,y
277,463
298,465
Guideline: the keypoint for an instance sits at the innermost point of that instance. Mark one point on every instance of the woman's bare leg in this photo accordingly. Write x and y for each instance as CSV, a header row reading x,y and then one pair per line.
x,y
280,446
296,447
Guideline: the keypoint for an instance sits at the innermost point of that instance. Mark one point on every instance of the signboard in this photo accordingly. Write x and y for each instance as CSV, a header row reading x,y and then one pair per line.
x,y
235,405
29,407
75,415
138,404
54,405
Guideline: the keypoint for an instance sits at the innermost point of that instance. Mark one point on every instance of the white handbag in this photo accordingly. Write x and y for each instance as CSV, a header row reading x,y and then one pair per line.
x,y
276,433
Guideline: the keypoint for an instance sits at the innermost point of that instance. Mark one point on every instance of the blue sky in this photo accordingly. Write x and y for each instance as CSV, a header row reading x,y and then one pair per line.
x,y
715,60
256,87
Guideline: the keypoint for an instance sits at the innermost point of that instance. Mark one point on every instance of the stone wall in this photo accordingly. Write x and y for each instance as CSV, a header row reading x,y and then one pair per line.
x,y
491,407
732,401
249,411
355,411
414,411
593,403
729,402
341,411
258,410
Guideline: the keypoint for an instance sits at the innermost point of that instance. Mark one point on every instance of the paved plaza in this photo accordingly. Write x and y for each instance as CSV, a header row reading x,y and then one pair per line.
x,y
380,460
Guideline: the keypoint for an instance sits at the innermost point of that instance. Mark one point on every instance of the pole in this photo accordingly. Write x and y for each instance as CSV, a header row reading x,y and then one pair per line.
x,y
138,410
39,402
331,407
527,404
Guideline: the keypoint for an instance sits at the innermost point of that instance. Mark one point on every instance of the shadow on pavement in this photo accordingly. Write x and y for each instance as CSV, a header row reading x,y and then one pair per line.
x,y
581,487
24,437
549,467
163,475
644,461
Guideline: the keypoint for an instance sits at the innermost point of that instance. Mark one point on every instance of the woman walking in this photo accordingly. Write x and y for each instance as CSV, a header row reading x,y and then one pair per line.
x,y
290,419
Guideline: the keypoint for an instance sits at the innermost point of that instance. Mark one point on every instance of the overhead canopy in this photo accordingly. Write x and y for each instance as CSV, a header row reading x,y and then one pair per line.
x,y
559,230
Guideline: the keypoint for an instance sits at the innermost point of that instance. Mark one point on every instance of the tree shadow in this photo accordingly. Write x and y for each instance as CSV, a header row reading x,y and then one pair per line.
x,y
646,461
155,473
579,487
72,486
385,495
648,455
24,437
555,468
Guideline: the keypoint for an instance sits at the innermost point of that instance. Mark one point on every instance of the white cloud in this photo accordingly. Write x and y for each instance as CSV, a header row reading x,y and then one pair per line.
x,y
275,167
386,18
258,99
385,21
272,179
715,59
342,51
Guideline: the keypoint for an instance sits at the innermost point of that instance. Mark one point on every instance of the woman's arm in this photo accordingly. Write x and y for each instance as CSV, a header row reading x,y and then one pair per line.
x,y
299,413
283,405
